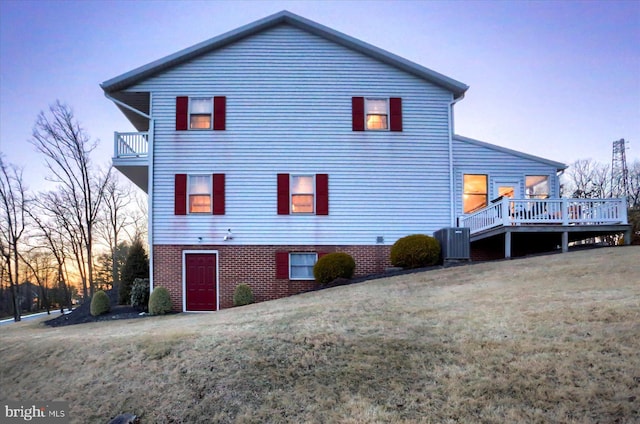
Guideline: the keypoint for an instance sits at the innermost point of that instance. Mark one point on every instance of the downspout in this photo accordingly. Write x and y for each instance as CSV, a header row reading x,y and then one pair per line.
x,y
451,176
151,137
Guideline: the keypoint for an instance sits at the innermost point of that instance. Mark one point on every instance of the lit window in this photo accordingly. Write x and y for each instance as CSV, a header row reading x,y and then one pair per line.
x,y
474,193
377,114
302,194
537,186
301,265
200,113
199,194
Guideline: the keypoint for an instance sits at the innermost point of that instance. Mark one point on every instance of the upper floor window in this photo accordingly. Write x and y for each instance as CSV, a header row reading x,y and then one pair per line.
x,y
475,192
302,194
199,193
200,113
537,186
377,114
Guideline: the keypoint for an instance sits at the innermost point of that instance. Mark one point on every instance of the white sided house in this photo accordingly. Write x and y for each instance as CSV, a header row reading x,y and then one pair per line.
x,y
268,146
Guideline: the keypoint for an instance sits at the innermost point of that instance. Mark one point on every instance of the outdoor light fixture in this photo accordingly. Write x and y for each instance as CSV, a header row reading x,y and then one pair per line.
x,y
229,235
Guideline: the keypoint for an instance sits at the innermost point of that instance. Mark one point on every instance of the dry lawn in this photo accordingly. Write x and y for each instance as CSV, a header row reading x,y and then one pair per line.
x,y
545,339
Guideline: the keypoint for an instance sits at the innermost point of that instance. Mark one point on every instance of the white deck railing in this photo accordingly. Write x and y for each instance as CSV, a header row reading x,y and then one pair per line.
x,y
130,145
546,211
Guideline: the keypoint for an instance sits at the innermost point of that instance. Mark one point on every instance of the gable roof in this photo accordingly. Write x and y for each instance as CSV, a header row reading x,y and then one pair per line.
x,y
285,17
558,165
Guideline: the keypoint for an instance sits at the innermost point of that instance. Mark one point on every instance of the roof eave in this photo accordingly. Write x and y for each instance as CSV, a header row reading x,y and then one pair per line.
x,y
129,78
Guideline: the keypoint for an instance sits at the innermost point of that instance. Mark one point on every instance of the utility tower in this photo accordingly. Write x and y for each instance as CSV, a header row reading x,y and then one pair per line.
x,y
619,171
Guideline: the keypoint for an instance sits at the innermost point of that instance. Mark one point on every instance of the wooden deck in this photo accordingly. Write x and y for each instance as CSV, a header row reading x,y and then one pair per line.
x,y
558,221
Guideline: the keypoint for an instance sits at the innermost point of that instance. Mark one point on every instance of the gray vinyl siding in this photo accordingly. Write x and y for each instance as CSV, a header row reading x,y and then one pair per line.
x,y
289,111
469,158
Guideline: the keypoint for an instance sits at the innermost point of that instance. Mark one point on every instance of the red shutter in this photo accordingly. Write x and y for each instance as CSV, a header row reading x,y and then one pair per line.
x,y
219,113
395,110
357,113
283,194
182,113
321,254
282,265
218,194
180,194
322,194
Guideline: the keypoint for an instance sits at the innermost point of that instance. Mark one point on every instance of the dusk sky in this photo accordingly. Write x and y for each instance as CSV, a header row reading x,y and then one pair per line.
x,y
557,79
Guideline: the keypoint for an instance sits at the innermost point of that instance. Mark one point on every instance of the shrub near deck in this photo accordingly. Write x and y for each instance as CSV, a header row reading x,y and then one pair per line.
x,y
415,251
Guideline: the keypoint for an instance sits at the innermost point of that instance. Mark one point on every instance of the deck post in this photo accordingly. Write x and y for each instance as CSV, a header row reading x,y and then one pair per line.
x,y
505,210
565,212
507,244
565,242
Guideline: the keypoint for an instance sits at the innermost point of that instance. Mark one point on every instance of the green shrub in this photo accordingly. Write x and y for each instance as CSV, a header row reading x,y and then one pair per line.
x,y
159,301
100,303
332,266
242,295
415,251
140,293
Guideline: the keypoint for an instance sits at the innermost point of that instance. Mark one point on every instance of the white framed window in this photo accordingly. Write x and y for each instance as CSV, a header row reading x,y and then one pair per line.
x,y
376,114
200,113
537,186
301,265
303,193
199,193
474,192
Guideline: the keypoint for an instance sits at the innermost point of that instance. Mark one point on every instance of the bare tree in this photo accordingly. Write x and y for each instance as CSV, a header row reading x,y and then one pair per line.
x,y
114,220
39,263
588,179
12,225
67,148
53,237
634,184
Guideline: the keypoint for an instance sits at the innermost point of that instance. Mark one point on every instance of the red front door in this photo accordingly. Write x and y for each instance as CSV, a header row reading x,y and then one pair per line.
x,y
201,281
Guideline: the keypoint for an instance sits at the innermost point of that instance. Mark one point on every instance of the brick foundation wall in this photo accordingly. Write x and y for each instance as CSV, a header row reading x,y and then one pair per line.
x,y
255,266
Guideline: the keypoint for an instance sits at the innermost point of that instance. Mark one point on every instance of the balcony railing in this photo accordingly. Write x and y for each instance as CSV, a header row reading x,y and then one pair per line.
x,y
131,145
546,211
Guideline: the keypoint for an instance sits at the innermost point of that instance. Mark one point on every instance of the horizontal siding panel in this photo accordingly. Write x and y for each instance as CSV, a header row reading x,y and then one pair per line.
x,y
288,110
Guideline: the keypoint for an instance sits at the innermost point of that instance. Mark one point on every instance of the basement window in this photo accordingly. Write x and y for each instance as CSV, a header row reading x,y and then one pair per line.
x,y
301,265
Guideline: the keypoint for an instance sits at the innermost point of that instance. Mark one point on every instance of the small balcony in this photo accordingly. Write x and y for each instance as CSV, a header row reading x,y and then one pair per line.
x,y
131,156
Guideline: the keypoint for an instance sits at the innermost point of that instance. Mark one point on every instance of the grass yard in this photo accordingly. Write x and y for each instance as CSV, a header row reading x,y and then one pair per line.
x,y
545,339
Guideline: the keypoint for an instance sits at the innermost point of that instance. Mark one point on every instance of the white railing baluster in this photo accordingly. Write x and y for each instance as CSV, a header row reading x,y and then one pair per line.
x,y
547,211
127,145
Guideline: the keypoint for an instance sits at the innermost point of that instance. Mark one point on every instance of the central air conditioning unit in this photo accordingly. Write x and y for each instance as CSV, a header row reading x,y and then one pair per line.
x,y
455,243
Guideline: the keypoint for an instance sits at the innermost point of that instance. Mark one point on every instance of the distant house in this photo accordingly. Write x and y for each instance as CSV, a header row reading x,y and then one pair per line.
x,y
265,147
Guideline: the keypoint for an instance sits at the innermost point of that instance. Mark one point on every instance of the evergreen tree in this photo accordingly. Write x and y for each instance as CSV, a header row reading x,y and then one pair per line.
x,y
135,266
